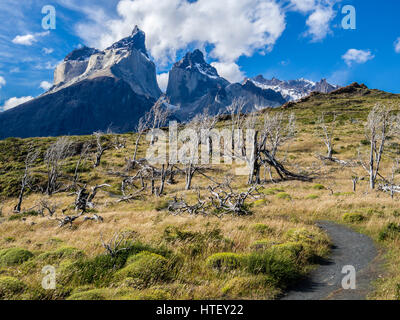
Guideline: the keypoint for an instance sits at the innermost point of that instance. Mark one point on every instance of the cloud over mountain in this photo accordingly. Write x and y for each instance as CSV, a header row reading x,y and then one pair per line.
x,y
14,102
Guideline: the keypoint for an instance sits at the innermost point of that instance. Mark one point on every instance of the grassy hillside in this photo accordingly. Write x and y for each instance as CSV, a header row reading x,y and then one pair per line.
x,y
170,256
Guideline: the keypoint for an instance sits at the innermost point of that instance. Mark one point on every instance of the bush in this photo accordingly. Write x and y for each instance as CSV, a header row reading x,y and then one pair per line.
x,y
154,294
96,294
318,187
149,267
284,196
353,217
10,288
251,286
262,244
312,197
97,271
280,262
14,256
60,254
260,203
225,261
389,232
20,216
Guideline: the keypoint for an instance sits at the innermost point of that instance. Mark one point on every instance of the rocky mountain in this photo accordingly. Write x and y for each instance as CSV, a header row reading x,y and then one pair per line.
x,y
293,90
92,90
195,85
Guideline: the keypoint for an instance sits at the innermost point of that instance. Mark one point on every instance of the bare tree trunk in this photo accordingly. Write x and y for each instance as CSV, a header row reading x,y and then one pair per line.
x,y
189,176
152,181
162,184
355,181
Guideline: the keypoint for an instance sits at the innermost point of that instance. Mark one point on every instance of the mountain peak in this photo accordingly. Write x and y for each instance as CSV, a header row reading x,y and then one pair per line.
x,y
81,54
137,40
194,61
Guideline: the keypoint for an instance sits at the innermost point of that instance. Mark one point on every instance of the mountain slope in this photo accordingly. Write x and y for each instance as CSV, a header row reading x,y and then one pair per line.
x,y
195,85
293,90
81,108
92,90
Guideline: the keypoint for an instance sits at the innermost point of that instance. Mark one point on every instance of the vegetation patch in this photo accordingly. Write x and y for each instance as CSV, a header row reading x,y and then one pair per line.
x,y
390,232
14,256
11,288
225,261
149,267
353,217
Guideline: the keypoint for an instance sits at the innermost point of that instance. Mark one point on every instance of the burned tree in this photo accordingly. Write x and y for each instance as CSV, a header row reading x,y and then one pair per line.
x,y
237,120
230,202
142,126
262,146
101,148
328,132
54,158
82,157
377,130
157,116
30,159
390,183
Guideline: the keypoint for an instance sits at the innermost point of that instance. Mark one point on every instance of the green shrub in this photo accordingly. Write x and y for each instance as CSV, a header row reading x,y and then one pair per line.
x,y
390,232
318,187
250,286
262,244
96,294
260,203
312,197
271,191
14,256
60,254
149,267
20,216
353,217
97,271
10,288
197,242
280,262
154,294
284,196
225,261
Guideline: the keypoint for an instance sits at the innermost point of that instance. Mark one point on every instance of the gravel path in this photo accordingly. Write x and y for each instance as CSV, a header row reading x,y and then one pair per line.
x,y
349,248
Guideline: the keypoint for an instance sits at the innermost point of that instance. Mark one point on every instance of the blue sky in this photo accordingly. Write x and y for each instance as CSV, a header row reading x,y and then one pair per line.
x,y
287,39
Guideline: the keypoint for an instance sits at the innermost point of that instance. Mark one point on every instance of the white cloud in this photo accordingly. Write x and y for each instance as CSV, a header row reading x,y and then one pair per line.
x,y
162,80
29,39
45,85
3,82
231,28
319,22
303,5
397,45
229,71
14,102
320,13
48,50
357,56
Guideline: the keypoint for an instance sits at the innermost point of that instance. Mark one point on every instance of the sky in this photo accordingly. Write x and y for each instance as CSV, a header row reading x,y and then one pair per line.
x,y
286,39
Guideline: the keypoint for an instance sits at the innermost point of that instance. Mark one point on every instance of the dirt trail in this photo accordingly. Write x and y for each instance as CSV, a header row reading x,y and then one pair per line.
x,y
349,248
